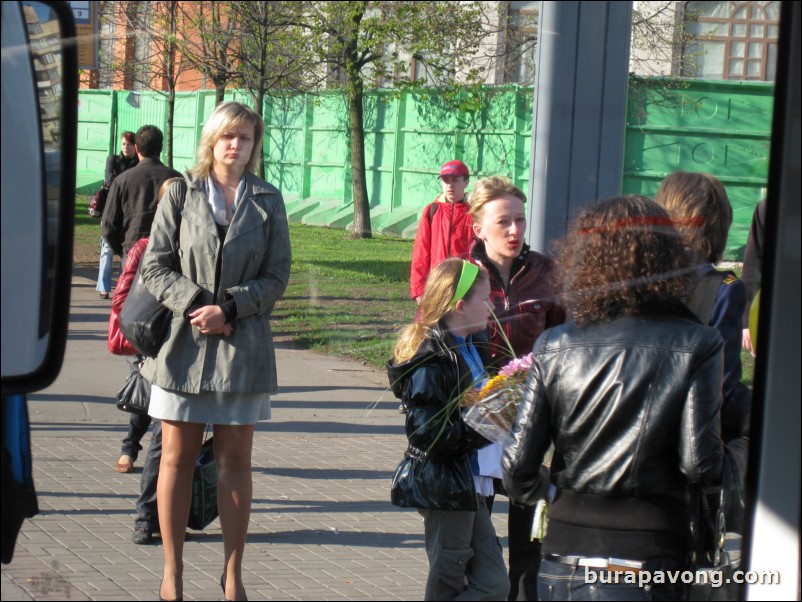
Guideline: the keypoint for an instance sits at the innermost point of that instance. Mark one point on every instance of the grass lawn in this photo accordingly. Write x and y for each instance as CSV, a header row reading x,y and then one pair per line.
x,y
346,297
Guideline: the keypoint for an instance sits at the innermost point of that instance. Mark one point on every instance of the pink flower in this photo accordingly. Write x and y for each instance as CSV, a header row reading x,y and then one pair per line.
x,y
518,366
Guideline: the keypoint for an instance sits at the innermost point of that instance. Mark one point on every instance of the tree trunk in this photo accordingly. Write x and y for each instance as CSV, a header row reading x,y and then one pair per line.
x,y
219,93
169,133
259,108
359,186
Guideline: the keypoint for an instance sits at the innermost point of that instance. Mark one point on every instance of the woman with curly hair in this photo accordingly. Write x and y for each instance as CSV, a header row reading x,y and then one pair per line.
x,y
629,393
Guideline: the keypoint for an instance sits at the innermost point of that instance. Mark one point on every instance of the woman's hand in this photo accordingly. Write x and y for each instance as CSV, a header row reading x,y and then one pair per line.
x,y
746,341
210,320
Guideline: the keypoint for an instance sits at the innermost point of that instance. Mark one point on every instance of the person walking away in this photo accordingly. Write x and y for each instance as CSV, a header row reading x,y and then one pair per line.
x,y
525,303
445,226
629,394
115,165
131,205
147,519
219,258
126,219
434,361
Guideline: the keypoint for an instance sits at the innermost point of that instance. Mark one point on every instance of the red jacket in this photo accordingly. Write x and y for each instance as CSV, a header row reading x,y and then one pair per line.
x,y
447,233
525,308
117,343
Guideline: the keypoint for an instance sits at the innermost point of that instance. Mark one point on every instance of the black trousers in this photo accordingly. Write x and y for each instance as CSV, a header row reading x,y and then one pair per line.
x,y
524,554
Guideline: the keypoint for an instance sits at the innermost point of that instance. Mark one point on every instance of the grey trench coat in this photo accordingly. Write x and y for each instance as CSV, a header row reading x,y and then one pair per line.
x,y
179,265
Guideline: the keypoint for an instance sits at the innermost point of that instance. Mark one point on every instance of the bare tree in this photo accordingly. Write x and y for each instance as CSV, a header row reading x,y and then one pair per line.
x,y
168,63
660,55
209,41
659,38
272,57
151,57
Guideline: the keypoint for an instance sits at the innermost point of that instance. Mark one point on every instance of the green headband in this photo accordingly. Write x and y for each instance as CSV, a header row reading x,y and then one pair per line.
x,y
466,279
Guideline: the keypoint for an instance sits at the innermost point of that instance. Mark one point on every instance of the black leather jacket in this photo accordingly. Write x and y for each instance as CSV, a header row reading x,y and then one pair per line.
x,y
436,471
632,407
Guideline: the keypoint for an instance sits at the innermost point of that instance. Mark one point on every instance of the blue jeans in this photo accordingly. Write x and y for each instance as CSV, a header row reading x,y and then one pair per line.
x,y
106,265
557,581
147,514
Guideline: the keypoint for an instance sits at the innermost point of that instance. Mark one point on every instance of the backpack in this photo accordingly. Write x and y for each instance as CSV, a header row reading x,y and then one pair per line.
x,y
432,210
703,297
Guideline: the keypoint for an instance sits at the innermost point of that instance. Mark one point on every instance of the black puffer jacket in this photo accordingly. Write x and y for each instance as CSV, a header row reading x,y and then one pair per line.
x,y
632,407
436,471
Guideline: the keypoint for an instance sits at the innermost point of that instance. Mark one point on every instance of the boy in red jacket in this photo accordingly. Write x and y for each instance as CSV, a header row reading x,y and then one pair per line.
x,y
445,229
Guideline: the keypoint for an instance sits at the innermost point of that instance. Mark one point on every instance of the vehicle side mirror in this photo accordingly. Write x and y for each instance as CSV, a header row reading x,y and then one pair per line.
x,y
39,108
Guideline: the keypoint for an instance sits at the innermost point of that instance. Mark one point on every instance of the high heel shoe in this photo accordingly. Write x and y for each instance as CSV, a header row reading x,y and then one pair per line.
x,y
178,599
223,587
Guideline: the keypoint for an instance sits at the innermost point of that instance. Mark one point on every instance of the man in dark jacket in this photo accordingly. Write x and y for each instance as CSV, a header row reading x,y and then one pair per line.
x,y
127,218
131,205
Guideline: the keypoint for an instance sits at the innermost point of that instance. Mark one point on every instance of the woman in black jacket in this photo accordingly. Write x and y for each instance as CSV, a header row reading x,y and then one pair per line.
x,y
434,362
629,393
115,165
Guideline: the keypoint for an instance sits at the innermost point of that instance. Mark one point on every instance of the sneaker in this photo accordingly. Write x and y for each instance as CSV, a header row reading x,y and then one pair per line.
x,y
105,295
142,536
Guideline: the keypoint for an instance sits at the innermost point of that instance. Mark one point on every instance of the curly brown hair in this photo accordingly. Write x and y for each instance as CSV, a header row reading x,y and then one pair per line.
x,y
621,255
698,204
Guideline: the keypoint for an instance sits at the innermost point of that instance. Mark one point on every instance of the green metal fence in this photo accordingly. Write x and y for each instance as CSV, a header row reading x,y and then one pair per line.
x,y
719,127
722,128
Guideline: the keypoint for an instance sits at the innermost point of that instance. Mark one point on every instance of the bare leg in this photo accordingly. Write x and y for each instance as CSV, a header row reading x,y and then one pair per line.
x,y
232,452
181,442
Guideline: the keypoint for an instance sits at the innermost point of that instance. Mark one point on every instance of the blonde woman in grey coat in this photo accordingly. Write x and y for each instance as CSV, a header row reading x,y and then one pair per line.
x,y
219,258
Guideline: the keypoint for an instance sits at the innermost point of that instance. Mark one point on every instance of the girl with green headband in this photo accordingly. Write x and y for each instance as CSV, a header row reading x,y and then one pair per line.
x,y
435,360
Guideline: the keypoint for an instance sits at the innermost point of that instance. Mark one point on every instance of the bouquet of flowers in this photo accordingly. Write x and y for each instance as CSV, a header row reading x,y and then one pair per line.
x,y
491,410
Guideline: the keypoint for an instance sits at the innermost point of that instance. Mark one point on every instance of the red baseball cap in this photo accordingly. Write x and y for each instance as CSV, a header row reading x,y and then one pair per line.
x,y
454,168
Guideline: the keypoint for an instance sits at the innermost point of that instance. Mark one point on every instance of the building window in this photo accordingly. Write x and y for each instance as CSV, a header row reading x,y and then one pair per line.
x,y
521,42
734,40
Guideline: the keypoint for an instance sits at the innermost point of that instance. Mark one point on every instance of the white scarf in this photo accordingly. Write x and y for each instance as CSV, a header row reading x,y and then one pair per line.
x,y
217,201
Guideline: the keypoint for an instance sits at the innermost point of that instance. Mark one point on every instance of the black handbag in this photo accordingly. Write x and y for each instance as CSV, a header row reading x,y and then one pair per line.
x,y
204,488
716,546
144,322
134,397
419,482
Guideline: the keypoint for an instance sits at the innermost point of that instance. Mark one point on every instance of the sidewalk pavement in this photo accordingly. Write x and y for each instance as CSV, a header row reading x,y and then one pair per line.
x,y
321,527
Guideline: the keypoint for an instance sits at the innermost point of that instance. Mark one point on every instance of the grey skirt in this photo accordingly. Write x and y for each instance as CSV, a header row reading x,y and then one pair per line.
x,y
213,407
